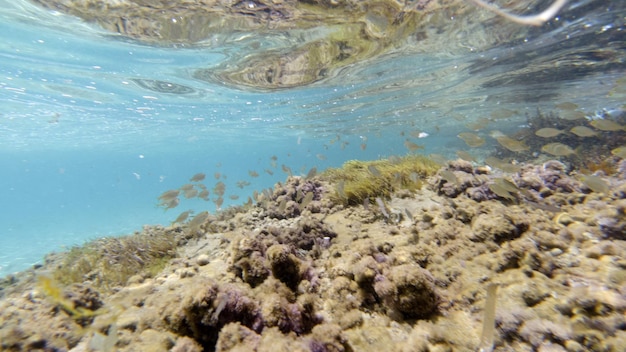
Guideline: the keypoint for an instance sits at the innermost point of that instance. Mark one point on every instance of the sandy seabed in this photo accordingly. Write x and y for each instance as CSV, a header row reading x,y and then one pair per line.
x,y
411,276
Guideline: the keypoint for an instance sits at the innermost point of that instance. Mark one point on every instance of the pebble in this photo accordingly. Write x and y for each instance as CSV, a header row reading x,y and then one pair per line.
x,y
202,260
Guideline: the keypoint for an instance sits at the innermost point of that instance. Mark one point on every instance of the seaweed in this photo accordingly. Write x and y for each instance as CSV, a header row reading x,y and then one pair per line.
x,y
54,292
359,180
111,261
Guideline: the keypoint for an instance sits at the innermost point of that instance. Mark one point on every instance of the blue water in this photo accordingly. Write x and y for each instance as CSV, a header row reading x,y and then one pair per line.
x,y
85,150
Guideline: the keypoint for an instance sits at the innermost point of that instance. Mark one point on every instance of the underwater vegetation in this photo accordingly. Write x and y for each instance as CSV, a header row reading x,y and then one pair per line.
x,y
358,181
109,262
298,269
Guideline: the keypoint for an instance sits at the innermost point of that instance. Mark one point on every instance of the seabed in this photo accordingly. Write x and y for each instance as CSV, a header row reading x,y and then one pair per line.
x,y
303,269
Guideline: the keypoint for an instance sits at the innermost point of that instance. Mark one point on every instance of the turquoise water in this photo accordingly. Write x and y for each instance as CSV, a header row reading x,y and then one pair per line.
x,y
87,143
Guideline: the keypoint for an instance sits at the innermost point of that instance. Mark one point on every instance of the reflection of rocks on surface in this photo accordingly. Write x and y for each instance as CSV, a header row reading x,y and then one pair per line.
x,y
322,36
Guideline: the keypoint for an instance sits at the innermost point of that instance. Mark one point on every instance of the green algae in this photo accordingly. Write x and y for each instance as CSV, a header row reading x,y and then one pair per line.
x,y
360,180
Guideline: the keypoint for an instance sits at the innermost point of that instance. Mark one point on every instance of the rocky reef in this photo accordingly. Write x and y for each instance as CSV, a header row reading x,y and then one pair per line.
x,y
309,273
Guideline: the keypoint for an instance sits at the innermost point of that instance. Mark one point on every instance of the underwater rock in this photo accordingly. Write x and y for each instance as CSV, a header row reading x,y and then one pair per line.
x,y
248,260
288,200
236,337
612,221
328,338
346,280
409,290
498,225
285,266
551,175
203,259
186,344
203,313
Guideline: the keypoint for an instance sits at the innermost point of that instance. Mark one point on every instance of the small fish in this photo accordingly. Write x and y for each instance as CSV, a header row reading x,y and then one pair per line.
x,y
233,197
557,149
311,173
253,173
182,217
173,203
168,195
408,214
465,155
548,132
363,146
218,202
204,195
606,125
620,152
412,146
449,176
307,199
502,114
217,175
190,193
219,188
506,184
512,144
572,115
501,191
567,106
340,189
502,165
438,158
186,187
596,184
198,220
471,139
582,131
479,124
197,177
269,172
286,169
382,207
282,206
242,184
374,171
320,156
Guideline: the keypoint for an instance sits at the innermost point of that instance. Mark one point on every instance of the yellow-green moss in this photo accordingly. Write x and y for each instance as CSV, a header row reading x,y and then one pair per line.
x,y
357,180
109,262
